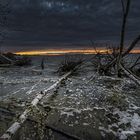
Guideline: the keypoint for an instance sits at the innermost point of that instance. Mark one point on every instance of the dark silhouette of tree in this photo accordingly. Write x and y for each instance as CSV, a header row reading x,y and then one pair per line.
x,y
125,12
117,55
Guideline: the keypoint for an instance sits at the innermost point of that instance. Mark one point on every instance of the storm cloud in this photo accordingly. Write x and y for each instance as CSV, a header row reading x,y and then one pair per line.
x,y
68,22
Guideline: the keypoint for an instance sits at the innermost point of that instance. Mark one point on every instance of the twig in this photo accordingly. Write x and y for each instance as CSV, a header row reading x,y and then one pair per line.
x,y
133,44
136,63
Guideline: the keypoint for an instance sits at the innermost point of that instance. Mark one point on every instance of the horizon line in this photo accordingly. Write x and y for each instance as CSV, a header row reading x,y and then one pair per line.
x,y
68,51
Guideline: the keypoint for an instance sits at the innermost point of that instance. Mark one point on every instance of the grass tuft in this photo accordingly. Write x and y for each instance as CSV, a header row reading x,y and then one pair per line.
x,y
70,63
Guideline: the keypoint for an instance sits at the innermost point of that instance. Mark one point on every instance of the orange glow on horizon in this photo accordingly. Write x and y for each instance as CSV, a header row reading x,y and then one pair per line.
x,y
67,51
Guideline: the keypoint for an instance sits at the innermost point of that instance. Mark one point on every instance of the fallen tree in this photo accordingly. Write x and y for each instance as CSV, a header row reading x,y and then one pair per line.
x,y
11,131
6,58
131,75
14,60
114,60
23,117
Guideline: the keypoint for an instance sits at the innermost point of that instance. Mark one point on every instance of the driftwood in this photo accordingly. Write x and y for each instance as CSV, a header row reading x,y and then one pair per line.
x,y
23,117
6,58
131,75
118,54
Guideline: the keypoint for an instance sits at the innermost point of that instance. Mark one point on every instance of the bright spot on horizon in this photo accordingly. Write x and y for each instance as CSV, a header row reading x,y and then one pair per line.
x,y
60,52
67,51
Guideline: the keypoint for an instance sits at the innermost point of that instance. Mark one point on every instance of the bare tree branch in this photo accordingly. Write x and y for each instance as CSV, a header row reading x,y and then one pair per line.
x,y
131,75
124,26
123,7
137,61
94,47
133,44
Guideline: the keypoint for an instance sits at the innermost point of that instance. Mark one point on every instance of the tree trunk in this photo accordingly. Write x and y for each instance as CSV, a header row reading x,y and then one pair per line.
x,y
123,29
131,75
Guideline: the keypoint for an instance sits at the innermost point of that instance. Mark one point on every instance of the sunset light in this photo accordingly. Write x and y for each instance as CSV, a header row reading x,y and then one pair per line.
x,y
67,51
69,69
60,52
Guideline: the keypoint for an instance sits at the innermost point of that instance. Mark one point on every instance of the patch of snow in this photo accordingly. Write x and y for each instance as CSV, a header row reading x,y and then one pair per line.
x,y
86,124
70,124
125,118
66,113
134,107
124,134
135,122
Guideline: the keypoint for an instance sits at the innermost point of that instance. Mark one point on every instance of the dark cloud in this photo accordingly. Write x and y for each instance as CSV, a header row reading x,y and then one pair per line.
x,y
69,22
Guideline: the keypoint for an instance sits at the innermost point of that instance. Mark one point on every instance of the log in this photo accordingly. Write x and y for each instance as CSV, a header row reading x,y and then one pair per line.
x,y
6,58
130,75
23,117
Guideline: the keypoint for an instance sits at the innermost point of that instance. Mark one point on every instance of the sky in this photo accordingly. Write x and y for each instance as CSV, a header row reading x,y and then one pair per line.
x,y
39,24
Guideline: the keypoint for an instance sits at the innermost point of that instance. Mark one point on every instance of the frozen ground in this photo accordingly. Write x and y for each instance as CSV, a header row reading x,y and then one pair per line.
x,y
86,105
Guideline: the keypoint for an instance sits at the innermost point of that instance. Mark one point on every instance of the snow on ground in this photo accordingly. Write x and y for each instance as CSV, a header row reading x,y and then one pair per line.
x,y
86,105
